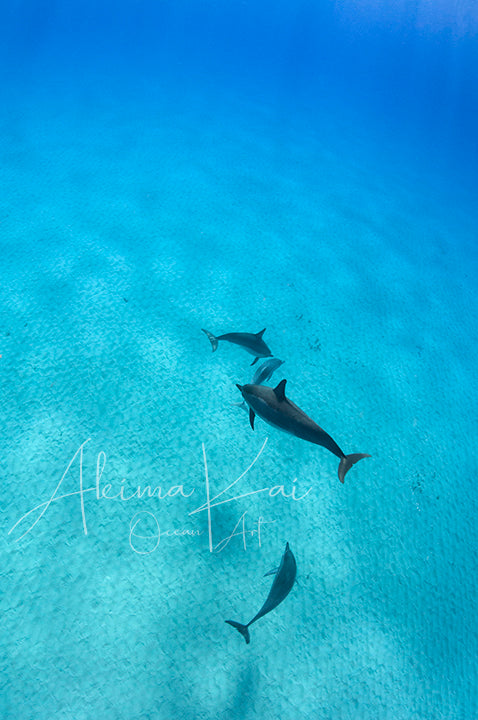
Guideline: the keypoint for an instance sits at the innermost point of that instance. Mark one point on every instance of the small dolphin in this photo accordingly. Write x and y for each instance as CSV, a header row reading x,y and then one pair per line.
x,y
262,374
251,342
281,587
266,370
272,406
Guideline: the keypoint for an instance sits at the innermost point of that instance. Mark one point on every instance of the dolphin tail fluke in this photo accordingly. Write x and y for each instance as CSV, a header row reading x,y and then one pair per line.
x,y
243,629
212,338
346,463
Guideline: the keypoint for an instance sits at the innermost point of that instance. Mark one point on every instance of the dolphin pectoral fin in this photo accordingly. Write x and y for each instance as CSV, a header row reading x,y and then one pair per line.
x,y
346,463
254,361
240,405
280,391
272,572
243,629
252,415
212,338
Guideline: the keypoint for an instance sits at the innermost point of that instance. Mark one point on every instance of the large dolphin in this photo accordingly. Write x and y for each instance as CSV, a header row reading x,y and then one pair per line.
x,y
272,406
281,587
251,342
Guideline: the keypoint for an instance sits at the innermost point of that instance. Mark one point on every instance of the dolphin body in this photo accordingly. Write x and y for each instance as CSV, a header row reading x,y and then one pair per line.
x,y
262,374
251,342
281,587
266,370
272,406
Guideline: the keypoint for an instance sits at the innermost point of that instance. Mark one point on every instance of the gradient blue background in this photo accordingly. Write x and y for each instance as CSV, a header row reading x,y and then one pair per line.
x,y
306,167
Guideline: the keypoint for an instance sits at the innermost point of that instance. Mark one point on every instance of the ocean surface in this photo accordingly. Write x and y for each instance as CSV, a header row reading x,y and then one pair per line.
x,y
310,168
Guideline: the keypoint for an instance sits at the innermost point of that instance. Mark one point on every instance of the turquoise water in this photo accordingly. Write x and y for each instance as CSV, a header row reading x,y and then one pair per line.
x,y
140,204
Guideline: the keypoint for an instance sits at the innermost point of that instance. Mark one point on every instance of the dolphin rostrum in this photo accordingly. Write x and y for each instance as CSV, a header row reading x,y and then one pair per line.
x,y
272,406
281,587
251,342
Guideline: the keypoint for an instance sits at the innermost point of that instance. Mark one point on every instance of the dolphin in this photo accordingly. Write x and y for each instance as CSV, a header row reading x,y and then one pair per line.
x,y
262,374
281,587
272,406
251,342
265,371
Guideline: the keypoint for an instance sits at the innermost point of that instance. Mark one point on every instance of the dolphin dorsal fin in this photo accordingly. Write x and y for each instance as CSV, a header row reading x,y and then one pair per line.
x,y
261,333
280,390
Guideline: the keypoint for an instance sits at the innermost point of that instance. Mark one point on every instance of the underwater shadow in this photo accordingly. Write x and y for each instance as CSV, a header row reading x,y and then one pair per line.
x,y
246,688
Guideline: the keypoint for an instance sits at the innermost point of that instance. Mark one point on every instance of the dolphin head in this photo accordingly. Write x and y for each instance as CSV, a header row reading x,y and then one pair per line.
x,y
262,396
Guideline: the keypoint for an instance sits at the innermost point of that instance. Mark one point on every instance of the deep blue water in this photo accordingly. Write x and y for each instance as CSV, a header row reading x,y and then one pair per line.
x,y
310,168
414,64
